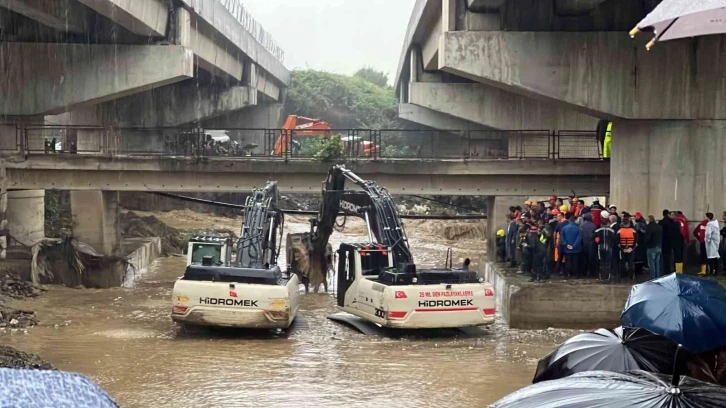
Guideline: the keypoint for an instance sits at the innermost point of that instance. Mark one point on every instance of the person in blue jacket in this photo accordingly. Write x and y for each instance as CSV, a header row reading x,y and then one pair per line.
x,y
571,246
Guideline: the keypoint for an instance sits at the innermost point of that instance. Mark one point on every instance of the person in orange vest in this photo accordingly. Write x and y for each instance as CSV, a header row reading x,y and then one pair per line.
x,y
627,244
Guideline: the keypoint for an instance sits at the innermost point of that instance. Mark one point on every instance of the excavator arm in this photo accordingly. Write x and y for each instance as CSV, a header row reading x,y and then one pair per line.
x,y
373,204
257,247
311,127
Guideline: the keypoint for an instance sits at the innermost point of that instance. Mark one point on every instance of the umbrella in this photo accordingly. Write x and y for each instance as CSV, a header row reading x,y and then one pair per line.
x,y
618,350
604,389
673,19
32,388
685,309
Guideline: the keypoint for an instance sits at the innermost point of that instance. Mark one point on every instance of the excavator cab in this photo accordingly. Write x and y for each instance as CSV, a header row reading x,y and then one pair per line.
x,y
364,261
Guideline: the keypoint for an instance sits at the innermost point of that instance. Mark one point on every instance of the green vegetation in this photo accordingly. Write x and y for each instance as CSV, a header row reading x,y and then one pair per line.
x,y
373,76
345,102
362,101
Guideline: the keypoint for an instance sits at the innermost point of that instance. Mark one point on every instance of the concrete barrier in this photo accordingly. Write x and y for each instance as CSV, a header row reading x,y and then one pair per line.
x,y
147,250
558,304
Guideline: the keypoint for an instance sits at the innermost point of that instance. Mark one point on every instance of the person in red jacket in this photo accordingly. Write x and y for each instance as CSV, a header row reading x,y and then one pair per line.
x,y
684,225
700,233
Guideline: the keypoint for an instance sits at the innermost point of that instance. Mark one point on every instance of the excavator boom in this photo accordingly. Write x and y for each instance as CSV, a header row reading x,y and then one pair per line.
x,y
311,127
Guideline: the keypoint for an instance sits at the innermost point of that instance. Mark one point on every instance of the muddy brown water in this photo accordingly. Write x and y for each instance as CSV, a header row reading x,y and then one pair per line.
x,y
124,340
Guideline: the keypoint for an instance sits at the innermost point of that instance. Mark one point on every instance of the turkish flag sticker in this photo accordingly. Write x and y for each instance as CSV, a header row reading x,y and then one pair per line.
x,y
488,292
401,294
232,294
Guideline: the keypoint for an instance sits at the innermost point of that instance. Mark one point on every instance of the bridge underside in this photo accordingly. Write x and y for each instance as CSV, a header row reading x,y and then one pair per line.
x,y
453,177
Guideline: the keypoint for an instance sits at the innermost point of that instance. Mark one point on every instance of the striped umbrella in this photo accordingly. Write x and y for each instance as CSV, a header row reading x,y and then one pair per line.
x,y
673,19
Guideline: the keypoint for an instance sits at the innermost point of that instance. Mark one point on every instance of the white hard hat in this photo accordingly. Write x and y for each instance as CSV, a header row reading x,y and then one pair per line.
x,y
604,215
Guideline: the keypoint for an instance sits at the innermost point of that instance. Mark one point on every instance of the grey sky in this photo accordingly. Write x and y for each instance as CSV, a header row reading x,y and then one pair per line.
x,y
336,35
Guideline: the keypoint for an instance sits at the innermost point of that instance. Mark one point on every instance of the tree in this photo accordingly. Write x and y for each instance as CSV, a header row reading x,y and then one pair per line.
x,y
375,77
343,101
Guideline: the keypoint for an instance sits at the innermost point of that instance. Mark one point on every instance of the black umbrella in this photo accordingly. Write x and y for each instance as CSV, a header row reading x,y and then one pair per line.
x,y
618,350
604,389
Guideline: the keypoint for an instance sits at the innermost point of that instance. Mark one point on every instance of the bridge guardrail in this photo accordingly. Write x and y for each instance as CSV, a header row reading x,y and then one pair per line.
x,y
349,144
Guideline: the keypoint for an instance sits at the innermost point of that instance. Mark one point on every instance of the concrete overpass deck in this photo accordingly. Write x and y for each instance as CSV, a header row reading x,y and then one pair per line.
x,y
223,174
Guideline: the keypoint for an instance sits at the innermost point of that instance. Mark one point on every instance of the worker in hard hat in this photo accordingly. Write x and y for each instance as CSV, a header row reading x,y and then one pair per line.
x,y
605,137
501,245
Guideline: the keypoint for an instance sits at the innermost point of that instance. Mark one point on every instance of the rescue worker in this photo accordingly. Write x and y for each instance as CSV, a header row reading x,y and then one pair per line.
x,y
678,244
531,242
512,228
465,267
552,251
713,239
605,240
607,143
542,251
683,222
627,244
700,233
571,246
501,246
653,242
671,233
589,249
596,211
641,255
524,247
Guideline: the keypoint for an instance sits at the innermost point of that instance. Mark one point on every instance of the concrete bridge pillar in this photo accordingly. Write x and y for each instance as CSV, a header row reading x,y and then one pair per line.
x,y
669,164
497,209
26,216
96,219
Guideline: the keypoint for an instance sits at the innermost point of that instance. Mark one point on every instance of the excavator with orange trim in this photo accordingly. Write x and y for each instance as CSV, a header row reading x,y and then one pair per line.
x,y
310,127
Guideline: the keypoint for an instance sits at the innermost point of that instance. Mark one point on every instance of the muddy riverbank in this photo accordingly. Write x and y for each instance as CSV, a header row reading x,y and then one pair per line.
x,y
123,339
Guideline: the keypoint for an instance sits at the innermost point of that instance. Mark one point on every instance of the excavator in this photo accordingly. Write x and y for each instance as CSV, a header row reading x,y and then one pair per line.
x,y
247,290
377,280
313,128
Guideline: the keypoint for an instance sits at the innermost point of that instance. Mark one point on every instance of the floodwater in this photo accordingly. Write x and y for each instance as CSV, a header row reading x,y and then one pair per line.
x,y
124,339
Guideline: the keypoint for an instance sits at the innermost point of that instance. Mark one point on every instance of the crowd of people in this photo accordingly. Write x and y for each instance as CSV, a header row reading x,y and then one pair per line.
x,y
569,238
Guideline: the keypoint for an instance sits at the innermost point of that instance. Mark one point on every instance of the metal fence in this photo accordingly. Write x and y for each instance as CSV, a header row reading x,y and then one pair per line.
x,y
327,145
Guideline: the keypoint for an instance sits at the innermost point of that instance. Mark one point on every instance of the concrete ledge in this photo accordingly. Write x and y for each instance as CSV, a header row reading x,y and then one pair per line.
x,y
557,304
146,251
460,177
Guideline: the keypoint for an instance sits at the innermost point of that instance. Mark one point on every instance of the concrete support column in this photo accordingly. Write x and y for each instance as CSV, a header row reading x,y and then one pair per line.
x,y
675,165
497,209
96,219
448,15
25,216
3,211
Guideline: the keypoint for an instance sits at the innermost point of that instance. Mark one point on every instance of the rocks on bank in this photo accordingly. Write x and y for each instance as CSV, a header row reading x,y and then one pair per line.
x,y
12,358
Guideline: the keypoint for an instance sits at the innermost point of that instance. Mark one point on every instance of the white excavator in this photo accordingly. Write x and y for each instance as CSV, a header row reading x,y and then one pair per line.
x,y
377,280
244,291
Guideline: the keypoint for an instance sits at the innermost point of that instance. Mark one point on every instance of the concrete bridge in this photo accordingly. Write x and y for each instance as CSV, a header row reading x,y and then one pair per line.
x,y
565,64
85,65
399,176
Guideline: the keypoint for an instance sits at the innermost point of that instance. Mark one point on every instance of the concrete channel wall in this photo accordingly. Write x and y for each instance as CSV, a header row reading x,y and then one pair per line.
x,y
557,304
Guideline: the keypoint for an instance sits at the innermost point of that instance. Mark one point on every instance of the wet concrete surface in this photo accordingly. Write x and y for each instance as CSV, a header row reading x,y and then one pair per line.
x,y
124,339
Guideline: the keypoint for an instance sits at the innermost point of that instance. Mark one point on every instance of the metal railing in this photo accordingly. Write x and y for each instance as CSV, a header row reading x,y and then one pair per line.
x,y
332,145
253,27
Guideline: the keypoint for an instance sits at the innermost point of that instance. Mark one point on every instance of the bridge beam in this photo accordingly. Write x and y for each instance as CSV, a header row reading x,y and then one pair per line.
x,y
434,119
177,104
63,15
604,74
496,108
147,18
51,78
442,177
